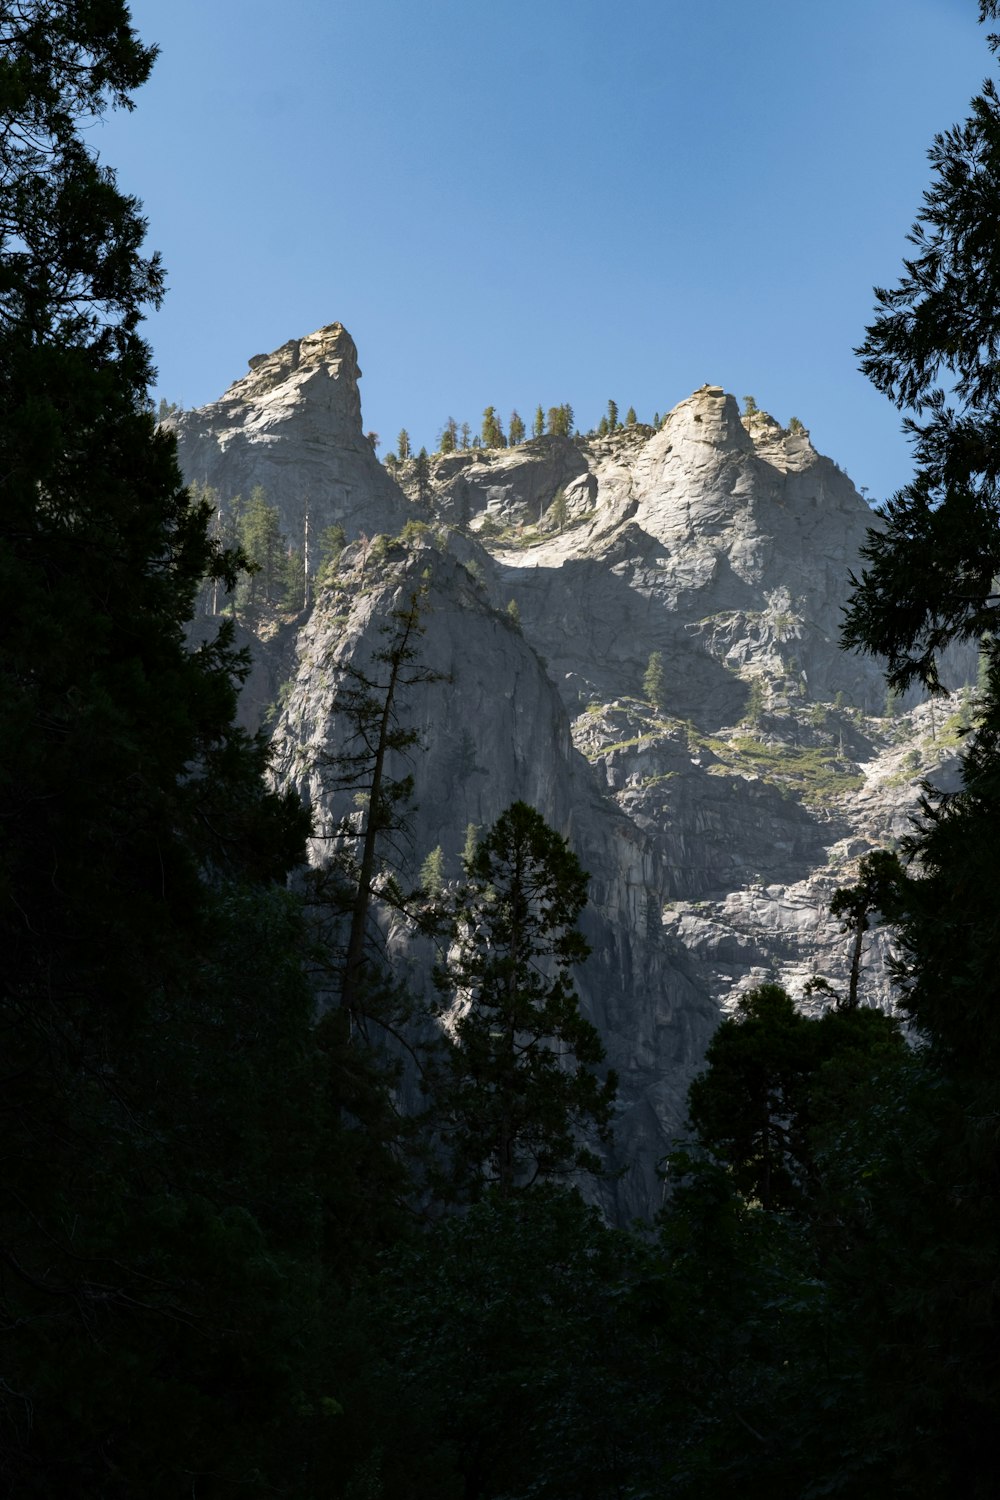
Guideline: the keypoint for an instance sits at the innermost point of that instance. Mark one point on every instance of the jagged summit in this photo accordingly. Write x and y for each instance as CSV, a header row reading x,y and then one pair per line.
x,y
710,416
322,367
293,426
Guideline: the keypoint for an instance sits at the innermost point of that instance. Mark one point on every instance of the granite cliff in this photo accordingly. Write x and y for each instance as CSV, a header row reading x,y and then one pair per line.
x,y
715,821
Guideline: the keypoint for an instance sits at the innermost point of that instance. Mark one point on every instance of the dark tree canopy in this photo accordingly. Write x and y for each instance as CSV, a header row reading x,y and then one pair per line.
x,y
773,1080
926,1281
163,1106
933,349
519,1079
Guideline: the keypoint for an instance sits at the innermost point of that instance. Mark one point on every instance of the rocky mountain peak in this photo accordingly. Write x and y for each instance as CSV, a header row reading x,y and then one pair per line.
x,y
293,426
317,374
708,417
638,634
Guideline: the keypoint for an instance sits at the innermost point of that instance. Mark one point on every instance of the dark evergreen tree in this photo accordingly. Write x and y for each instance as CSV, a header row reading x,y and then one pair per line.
x,y
403,445
932,568
422,474
612,416
519,1081
924,1285
775,1083
515,429
294,585
560,420
332,540
538,423
265,549
654,681
756,703
432,876
492,432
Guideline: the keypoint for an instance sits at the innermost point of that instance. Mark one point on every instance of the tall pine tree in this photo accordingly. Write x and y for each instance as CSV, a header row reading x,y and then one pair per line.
x,y
518,1082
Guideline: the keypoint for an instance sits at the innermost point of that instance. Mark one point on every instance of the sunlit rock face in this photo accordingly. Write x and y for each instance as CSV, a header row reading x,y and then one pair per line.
x,y
716,821
293,426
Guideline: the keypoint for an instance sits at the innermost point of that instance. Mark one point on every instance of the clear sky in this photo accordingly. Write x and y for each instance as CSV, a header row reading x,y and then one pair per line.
x,y
541,201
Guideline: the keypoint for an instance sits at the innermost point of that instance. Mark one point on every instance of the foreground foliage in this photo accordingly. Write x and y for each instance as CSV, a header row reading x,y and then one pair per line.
x,y
175,1157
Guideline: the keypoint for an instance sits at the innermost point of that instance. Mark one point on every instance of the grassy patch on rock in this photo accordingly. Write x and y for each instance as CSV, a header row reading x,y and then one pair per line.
x,y
816,774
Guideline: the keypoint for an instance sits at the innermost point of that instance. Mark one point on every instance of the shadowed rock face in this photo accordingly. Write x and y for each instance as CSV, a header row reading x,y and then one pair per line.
x,y
716,823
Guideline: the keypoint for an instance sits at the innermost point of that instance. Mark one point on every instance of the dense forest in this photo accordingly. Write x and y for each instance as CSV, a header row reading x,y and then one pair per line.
x,y
228,1266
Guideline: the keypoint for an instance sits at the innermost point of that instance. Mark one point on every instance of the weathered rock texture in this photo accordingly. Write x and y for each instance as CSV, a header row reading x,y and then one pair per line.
x,y
715,823
293,426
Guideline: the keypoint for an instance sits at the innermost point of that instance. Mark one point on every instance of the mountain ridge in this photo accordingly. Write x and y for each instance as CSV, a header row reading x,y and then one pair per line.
x,y
716,822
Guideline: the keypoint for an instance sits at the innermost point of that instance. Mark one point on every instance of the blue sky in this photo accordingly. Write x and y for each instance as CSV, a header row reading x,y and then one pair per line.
x,y
522,203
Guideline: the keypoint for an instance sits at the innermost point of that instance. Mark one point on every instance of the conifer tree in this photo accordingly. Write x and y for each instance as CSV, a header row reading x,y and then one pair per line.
x,y
492,432
654,680
512,1103
422,474
432,872
770,1080
927,1283
938,332
560,420
293,580
265,548
756,702
515,429
403,445
470,845
332,540
538,424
